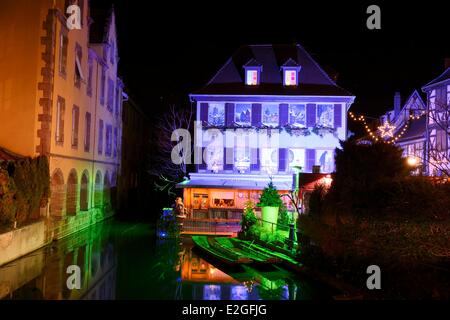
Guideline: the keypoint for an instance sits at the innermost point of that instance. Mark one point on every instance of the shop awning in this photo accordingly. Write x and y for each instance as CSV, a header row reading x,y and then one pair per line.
x,y
236,181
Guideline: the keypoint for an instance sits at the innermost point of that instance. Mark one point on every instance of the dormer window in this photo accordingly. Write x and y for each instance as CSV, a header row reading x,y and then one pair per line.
x,y
251,77
290,77
290,72
252,72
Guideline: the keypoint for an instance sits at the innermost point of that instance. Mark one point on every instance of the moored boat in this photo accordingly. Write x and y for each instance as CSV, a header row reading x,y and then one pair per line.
x,y
223,255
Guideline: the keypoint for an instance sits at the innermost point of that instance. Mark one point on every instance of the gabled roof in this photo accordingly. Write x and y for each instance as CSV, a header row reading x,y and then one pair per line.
x,y
290,63
252,63
443,77
416,130
313,81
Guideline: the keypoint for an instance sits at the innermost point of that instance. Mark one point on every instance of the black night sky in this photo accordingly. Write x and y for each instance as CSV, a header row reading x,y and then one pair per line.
x,y
169,49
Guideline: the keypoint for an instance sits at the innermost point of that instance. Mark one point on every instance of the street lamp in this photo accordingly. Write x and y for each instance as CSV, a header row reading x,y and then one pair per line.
x,y
412,161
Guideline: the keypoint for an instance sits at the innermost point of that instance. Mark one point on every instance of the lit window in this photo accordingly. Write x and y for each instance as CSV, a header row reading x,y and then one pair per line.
x,y
216,114
214,158
325,115
297,115
325,158
290,77
270,115
243,114
296,158
269,160
252,77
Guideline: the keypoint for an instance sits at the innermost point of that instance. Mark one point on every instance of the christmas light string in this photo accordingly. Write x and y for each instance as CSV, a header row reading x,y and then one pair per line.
x,y
394,138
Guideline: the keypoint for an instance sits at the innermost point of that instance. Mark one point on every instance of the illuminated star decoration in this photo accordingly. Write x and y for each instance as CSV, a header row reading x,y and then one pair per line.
x,y
386,130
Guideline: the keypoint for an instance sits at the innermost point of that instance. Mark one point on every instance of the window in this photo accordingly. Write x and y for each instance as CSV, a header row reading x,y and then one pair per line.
x,y
325,115
102,87
100,136
251,77
290,77
214,158
78,70
59,132
325,158
112,54
441,140
115,143
448,95
243,114
75,122
297,115
89,84
118,100
87,133
270,115
242,154
216,114
269,160
110,103
108,140
296,158
63,44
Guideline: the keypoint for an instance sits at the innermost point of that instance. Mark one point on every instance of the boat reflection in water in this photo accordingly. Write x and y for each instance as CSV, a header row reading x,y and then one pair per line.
x,y
126,261
207,282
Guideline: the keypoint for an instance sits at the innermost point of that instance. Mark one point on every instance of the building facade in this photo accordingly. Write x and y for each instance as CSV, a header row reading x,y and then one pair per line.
x,y
134,183
409,120
438,124
422,129
61,97
269,111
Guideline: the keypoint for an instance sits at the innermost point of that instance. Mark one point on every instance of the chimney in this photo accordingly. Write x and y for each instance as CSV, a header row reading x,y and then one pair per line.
x,y
447,63
397,104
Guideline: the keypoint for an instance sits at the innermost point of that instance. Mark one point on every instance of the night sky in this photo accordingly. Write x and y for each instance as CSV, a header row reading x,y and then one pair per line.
x,y
169,50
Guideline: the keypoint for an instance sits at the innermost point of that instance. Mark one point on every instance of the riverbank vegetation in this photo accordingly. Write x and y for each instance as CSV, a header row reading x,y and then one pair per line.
x,y
24,189
375,213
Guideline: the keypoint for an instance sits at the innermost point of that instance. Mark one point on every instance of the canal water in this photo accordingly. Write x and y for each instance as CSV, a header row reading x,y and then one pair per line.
x,y
119,260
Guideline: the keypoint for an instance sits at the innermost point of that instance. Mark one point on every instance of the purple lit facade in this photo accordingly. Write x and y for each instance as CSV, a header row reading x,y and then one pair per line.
x,y
269,109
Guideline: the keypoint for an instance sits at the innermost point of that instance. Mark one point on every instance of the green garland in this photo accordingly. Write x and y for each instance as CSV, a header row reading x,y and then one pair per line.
x,y
318,129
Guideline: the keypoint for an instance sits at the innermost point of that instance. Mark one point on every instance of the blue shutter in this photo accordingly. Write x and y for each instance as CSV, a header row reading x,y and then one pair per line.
x,y
202,165
229,114
282,152
204,113
284,114
254,163
338,115
310,159
256,114
310,115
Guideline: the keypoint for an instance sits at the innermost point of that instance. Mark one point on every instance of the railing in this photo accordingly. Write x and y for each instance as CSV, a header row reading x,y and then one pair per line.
x,y
210,227
275,232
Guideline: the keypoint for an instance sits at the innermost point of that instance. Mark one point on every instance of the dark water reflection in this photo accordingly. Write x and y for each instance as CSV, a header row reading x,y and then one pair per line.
x,y
124,261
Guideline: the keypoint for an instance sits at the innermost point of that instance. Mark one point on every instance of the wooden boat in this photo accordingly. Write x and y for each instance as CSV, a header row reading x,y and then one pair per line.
x,y
258,257
221,254
280,257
